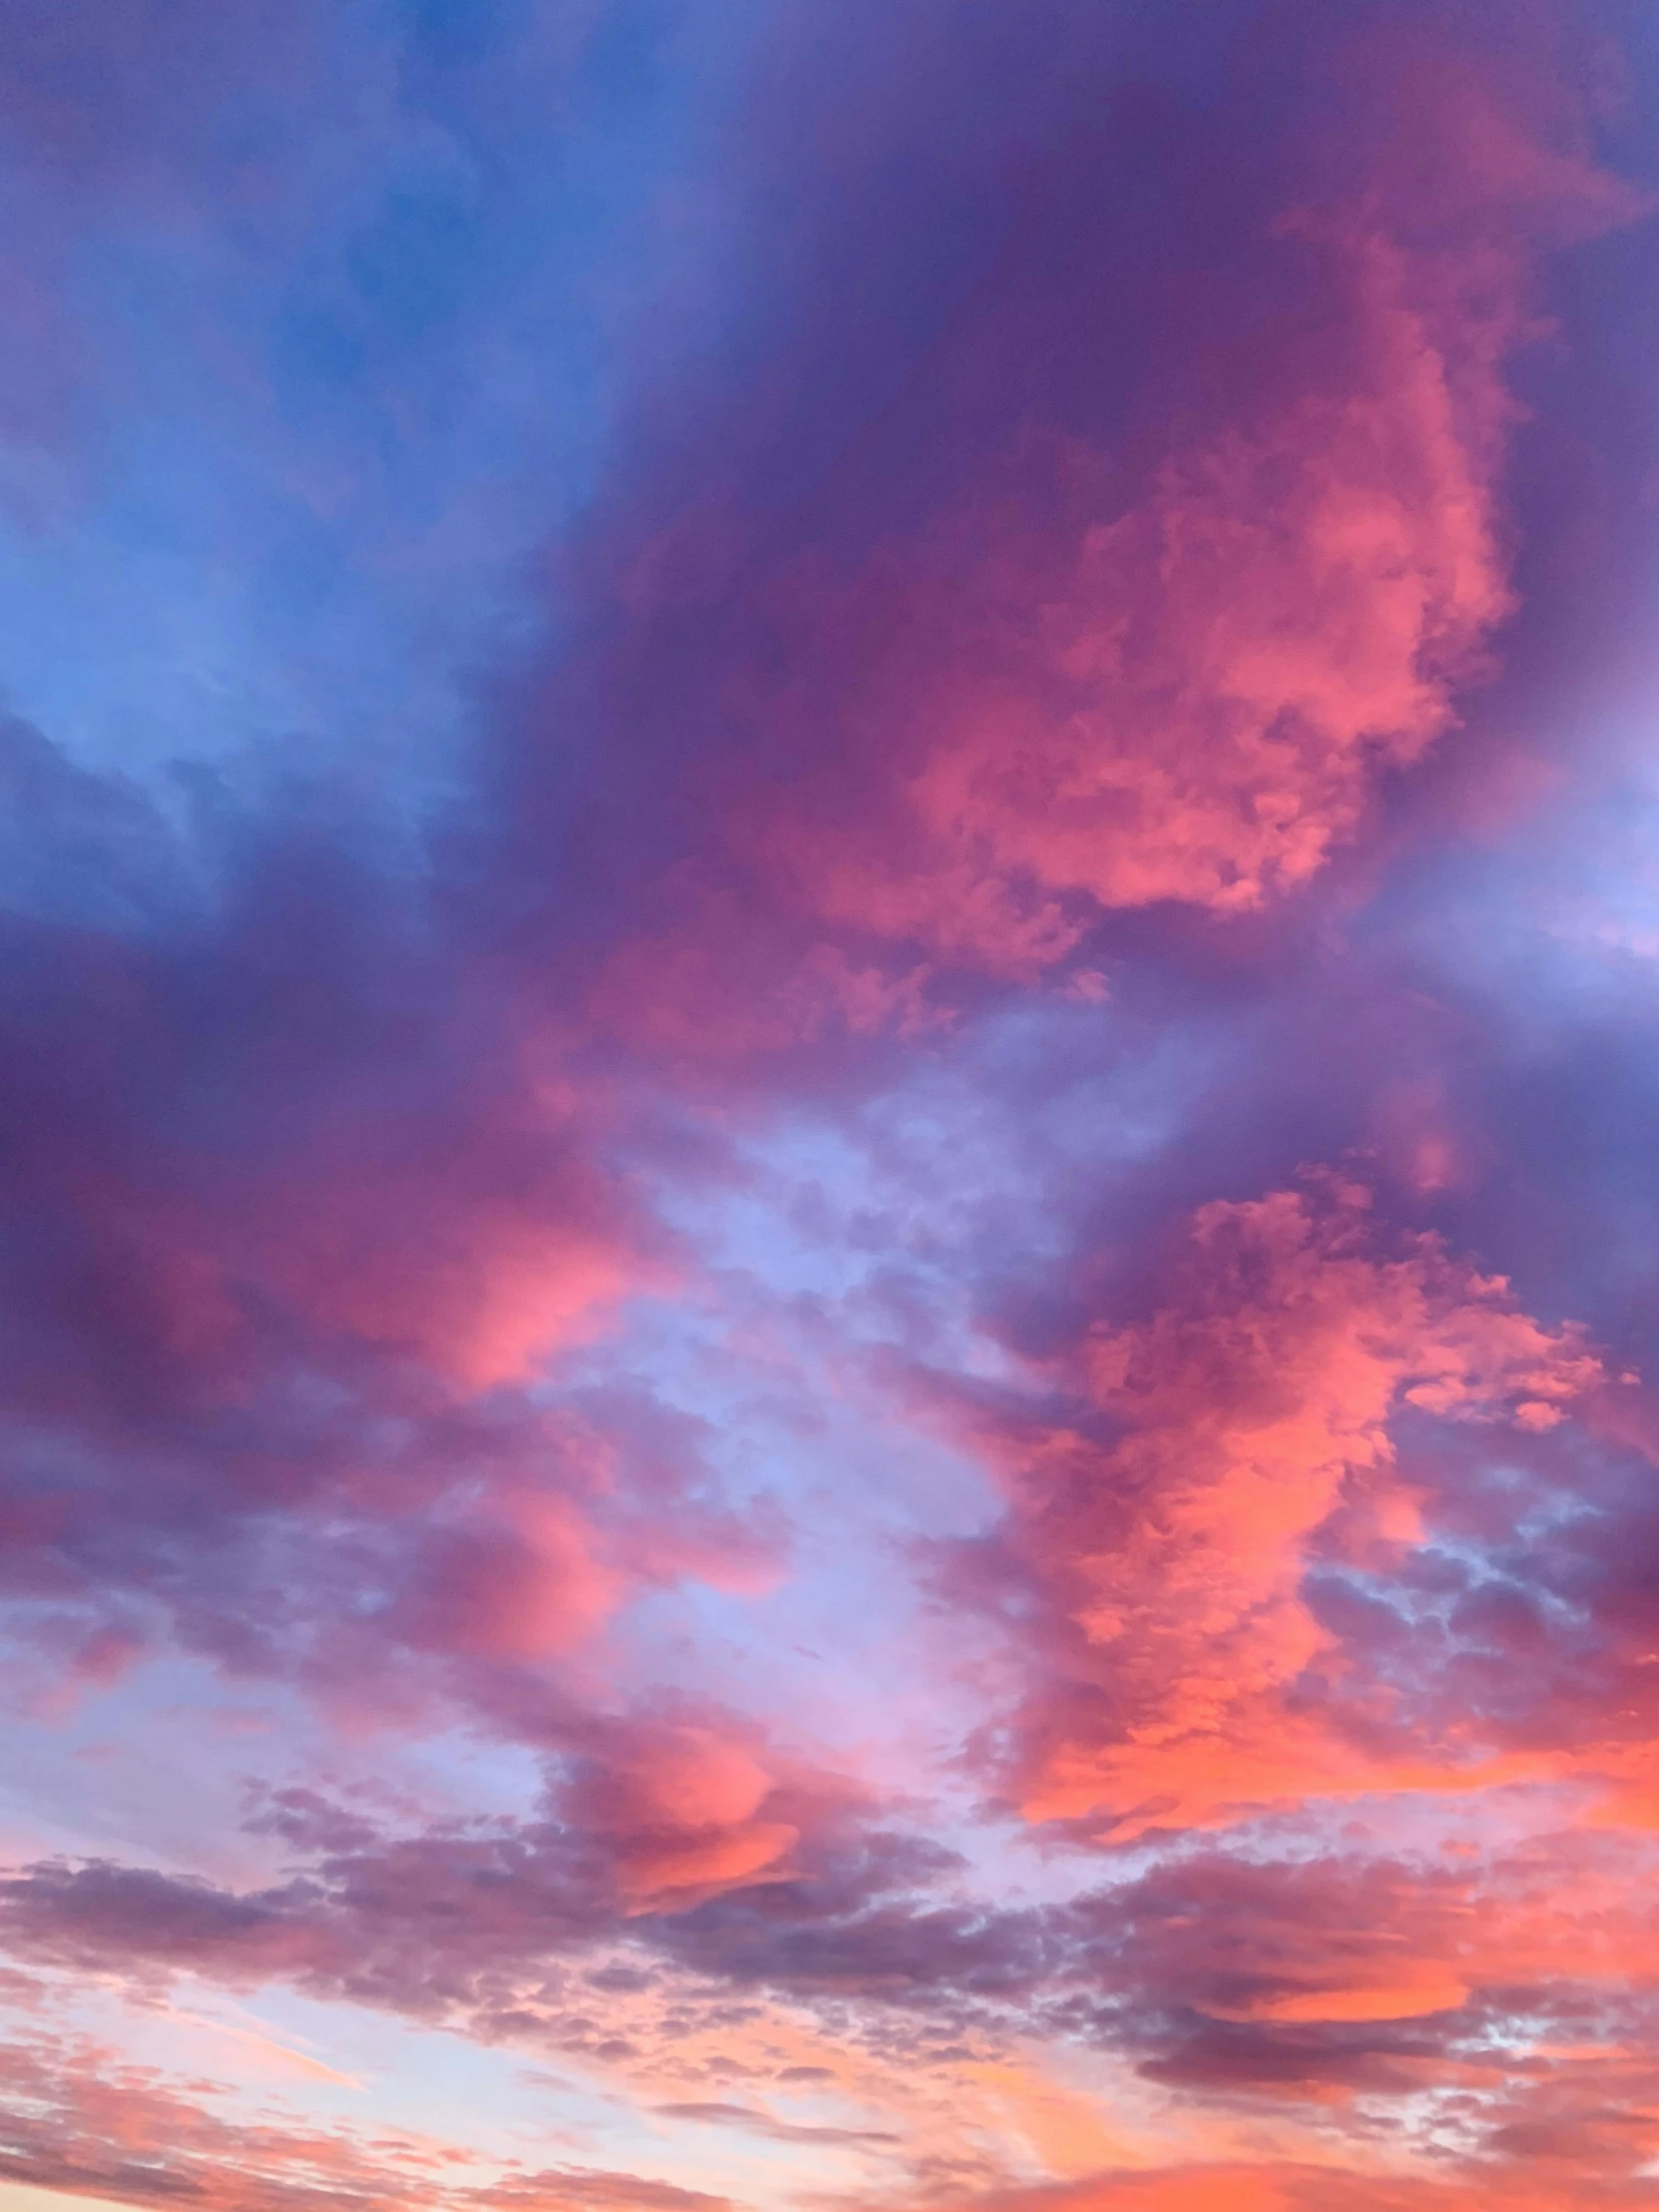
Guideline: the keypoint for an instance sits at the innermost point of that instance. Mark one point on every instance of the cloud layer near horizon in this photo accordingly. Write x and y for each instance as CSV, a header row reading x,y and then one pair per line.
x,y
827,1214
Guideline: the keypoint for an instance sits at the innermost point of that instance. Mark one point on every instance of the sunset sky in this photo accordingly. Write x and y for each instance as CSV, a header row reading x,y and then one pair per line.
x,y
829,1105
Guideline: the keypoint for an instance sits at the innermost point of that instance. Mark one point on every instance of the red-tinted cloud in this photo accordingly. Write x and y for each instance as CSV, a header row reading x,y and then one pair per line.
x,y
1153,653
1159,1539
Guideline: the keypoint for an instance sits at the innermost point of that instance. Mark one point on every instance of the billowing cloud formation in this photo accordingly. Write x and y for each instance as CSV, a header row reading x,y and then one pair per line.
x,y
827,1214
1247,1414
1187,694
1146,653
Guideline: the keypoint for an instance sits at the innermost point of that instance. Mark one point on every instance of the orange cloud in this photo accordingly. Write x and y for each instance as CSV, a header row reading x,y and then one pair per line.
x,y
1253,1403
1308,2188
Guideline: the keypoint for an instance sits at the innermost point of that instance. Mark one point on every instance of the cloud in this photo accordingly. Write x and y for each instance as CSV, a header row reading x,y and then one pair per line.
x,y
783,2131
684,1808
1511,1993
646,1817
1273,2187
1159,1538
1149,654
76,2124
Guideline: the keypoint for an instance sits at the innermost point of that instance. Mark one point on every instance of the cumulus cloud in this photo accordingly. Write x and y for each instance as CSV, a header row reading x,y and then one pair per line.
x,y
1158,1541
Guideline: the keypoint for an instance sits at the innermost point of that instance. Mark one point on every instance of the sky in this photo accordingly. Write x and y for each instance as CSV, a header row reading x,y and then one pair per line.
x,y
828,1067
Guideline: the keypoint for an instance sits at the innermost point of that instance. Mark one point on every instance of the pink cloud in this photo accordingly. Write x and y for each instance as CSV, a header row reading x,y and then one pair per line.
x,y
81,2121
1189,692
1274,2186
1170,1546
1064,647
